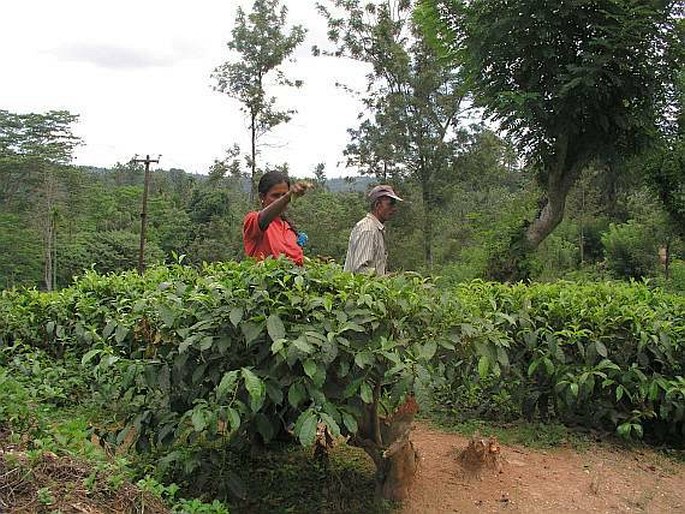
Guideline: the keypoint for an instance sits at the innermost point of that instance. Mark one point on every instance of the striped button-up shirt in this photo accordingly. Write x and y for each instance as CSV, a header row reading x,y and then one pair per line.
x,y
366,251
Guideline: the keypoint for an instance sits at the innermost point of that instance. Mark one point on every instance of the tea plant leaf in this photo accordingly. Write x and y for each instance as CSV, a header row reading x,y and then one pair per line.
x,y
168,316
331,424
264,427
296,394
198,419
236,316
363,359
255,388
483,366
428,350
623,430
350,422
310,368
205,343
275,327
120,333
307,433
366,392
274,392
301,344
277,346
184,345
233,419
601,349
251,331
227,383
89,355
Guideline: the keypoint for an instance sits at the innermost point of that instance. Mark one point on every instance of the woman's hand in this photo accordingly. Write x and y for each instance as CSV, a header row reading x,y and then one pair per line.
x,y
300,188
277,207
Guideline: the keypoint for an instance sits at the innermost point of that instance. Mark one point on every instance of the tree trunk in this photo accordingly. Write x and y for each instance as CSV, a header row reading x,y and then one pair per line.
x,y
515,264
427,219
396,473
386,441
253,156
47,221
552,213
47,250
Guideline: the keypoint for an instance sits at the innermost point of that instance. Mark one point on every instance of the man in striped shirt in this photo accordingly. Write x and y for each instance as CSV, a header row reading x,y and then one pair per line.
x,y
366,252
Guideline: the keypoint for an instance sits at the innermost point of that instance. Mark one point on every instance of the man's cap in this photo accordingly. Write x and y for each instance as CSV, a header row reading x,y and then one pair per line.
x,y
383,190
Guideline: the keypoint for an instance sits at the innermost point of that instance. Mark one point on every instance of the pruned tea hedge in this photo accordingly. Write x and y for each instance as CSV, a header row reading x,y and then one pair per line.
x,y
192,357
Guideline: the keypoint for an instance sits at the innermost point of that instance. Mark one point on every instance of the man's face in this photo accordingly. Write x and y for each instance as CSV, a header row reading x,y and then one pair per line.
x,y
385,208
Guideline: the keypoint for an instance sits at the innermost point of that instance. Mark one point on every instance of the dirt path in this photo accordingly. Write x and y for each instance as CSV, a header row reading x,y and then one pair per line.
x,y
536,481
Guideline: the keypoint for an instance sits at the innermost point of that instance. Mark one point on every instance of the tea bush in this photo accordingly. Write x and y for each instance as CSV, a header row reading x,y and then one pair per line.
x,y
604,354
188,359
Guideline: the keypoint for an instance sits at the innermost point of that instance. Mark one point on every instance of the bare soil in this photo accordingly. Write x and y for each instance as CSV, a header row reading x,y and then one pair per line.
x,y
602,478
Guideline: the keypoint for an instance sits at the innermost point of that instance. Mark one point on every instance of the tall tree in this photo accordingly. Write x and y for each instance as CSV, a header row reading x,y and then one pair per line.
x,y
574,82
28,144
260,44
413,102
665,166
33,150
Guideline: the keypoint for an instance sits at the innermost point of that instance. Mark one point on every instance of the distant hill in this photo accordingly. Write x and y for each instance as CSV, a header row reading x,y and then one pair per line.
x,y
348,184
335,185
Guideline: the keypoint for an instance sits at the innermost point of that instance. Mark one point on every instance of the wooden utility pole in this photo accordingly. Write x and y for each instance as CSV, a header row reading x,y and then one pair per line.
x,y
143,214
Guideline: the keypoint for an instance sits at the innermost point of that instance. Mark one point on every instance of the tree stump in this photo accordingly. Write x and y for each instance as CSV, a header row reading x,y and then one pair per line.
x,y
479,455
386,441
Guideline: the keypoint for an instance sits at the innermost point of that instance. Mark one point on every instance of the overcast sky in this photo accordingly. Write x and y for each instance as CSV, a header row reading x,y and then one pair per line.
x,y
138,75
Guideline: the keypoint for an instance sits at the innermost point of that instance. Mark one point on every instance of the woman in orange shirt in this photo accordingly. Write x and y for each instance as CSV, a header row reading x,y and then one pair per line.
x,y
267,232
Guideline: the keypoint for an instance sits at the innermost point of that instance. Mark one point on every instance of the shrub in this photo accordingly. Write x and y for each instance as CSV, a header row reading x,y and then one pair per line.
x,y
631,250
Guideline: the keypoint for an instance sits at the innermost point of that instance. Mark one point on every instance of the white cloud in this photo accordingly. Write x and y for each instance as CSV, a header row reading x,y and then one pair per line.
x,y
138,74
114,57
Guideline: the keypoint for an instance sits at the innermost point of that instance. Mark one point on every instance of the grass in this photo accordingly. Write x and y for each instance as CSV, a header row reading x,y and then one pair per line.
x,y
286,478
535,435
283,478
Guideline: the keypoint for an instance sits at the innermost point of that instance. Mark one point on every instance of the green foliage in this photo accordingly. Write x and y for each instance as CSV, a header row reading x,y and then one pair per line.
x,y
20,263
631,250
327,219
189,359
605,355
280,480
32,386
531,434
43,136
575,84
411,125
677,276
16,413
111,251
547,73
261,43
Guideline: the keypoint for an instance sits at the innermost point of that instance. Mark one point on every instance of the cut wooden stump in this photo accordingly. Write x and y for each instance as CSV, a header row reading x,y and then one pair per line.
x,y
480,454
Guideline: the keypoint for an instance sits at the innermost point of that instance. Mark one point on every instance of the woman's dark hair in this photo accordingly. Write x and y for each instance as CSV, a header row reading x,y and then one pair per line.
x,y
271,179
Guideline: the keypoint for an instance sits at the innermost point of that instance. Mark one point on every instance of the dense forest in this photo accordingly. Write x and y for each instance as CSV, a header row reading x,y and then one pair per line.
x,y
57,219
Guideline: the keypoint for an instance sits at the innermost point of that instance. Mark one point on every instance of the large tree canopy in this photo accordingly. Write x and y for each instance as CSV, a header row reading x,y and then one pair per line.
x,y
33,147
573,82
413,103
29,143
